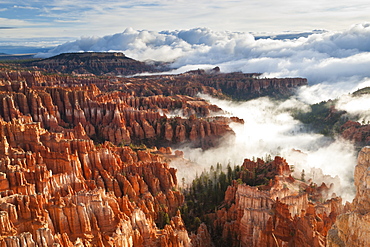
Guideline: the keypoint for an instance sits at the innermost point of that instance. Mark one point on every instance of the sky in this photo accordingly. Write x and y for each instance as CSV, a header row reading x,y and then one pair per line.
x,y
45,23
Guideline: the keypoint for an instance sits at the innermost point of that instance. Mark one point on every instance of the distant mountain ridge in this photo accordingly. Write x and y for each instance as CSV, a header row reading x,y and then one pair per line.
x,y
5,56
98,63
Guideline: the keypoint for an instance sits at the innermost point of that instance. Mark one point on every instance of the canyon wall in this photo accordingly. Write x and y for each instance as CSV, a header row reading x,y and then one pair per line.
x,y
64,182
238,86
353,227
119,117
60,189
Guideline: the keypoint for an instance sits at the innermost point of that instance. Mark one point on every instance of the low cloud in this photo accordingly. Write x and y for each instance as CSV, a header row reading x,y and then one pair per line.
x,y
324,58
270,129
358,107
331,90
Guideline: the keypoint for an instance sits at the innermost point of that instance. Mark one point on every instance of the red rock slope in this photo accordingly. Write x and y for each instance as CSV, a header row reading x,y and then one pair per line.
x,y
58,102
285,212
353,227
61,188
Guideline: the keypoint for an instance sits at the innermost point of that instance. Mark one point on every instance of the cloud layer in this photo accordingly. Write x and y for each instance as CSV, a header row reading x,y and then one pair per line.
x,y
357,107
270,129
327,57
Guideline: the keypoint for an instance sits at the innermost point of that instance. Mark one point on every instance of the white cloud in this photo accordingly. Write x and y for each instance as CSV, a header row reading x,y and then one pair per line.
x,y
324,57
24,7
14,22
270,129
356,106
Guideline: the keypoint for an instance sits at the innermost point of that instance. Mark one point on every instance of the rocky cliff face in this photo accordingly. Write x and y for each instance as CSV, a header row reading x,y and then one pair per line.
x,y
235,85
119,117
61,189
285,212
353,227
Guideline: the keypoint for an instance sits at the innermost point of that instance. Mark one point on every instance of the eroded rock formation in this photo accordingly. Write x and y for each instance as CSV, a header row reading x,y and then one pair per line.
x,y
73,171
237,85
281,213
353,228
119,117
58,189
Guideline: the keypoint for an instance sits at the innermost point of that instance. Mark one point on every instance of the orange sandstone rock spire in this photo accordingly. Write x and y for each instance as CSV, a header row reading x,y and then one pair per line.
x,y
353,228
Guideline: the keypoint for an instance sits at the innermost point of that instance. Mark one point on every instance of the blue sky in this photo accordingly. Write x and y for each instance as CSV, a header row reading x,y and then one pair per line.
x,y
43,23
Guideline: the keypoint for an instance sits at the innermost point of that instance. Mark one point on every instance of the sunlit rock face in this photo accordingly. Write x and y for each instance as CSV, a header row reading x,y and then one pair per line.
x,y
118,115
59,187
284,212
353,227
56,189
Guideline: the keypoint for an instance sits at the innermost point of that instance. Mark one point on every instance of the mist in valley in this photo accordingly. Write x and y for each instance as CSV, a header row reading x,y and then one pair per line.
x,y
270,130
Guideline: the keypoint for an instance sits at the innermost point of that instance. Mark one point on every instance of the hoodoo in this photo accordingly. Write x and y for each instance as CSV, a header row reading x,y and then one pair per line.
x,y
353,228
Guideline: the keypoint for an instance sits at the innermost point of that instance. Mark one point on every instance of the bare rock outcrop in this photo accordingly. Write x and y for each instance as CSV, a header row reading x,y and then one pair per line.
x,y
59,190
277,214
353,227
118,117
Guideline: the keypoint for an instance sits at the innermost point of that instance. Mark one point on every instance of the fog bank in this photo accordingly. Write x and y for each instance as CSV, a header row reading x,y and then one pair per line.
x,y
270,129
